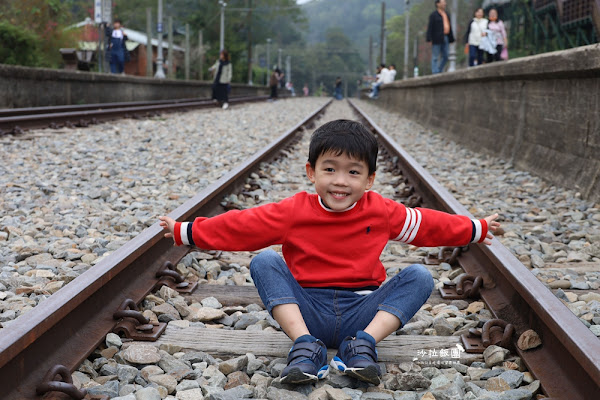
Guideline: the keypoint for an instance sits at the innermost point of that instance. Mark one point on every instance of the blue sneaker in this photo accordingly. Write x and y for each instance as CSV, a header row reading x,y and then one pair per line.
x,y
358,358
306,362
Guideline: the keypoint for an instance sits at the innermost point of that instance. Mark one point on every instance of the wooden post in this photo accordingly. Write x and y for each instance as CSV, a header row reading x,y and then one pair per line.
x,y
170,52
187,52
149,48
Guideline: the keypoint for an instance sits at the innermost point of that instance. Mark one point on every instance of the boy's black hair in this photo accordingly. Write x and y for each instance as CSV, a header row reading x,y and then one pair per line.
x,y
343,136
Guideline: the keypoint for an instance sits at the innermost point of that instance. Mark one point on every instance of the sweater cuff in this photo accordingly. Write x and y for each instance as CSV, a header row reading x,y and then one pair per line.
x,y
480,229
177,234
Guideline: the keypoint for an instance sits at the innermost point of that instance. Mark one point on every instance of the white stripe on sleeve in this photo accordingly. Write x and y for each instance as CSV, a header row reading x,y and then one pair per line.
x,y
478,230
416,228
406,224
183,234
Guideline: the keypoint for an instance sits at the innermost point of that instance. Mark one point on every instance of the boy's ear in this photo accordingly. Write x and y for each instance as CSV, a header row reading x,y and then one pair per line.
x,y
310,172
370,181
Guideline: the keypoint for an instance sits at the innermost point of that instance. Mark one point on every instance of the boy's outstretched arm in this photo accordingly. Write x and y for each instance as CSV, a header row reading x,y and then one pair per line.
x,y
492,226
168,224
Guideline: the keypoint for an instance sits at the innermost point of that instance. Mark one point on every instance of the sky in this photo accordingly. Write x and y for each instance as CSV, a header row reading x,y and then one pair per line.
x,y
302,1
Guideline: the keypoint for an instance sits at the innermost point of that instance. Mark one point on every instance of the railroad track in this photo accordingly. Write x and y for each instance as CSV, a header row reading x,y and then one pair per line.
x,y
567,363
15,121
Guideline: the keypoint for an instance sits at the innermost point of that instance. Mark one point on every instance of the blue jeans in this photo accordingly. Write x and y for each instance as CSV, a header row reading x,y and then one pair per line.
x,y
331,314
475,53
376,89
439,56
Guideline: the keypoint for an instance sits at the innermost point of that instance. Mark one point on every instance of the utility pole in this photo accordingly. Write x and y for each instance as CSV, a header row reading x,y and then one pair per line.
x,y
288,69
250,43
187,52
381,49
406,42
268,54
201,52
170,51
415,55
222,37
149,42
452,47
370,69
160,73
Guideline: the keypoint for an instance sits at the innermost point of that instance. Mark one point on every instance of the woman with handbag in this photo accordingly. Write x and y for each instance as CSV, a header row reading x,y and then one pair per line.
x,y
475,33
497,26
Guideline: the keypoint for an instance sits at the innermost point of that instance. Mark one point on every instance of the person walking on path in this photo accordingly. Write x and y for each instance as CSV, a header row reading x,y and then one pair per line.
x,y
305,89
337,91
496,26
439,33
223,71
116,51
475,32
274,82
327,290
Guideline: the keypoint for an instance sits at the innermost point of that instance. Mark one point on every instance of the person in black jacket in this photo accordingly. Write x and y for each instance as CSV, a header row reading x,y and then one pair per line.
x,y
439,33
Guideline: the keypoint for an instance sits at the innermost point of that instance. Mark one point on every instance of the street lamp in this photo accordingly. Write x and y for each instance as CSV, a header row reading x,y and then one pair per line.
x,y
160,73
279,59
452,48
406,23
222,37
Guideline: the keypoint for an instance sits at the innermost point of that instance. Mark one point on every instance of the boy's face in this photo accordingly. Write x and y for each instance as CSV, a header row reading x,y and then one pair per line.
x,y
339,179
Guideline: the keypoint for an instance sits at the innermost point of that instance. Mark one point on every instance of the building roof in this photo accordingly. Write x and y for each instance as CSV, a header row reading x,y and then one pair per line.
x,y
134,38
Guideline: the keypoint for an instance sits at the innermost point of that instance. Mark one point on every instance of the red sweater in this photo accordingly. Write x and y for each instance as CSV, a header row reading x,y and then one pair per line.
x,y
323,248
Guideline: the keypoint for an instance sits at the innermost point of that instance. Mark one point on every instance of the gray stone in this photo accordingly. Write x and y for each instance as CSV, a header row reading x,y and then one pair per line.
x,y
233,364
192,394
126,373
438,381
448,392
492,373
147,393
516,394
112,339
211,302
173,366
187,384
213,377
128,389
245,321
141,354
512,377
282,394
110,389
376,396
402,395
494,355
129,396
276,369
354,394
442,326
238,392
412,381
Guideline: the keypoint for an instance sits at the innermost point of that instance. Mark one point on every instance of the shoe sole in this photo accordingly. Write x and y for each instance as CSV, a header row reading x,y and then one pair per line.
x,y
368,374
296,376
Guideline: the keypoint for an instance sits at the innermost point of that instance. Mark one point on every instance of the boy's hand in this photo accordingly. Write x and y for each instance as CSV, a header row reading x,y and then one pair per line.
x,y
492,226
168,224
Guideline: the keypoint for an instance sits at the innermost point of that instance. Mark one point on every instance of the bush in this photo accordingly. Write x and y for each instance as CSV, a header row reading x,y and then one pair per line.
x,y
19,47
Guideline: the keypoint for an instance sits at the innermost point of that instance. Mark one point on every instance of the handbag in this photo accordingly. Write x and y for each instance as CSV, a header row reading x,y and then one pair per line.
x,y
504,53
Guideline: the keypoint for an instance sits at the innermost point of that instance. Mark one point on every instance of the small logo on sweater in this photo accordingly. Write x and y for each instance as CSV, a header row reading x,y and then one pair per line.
x,y
368,229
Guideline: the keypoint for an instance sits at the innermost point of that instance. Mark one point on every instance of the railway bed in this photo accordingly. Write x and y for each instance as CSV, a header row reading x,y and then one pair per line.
x,y
566,364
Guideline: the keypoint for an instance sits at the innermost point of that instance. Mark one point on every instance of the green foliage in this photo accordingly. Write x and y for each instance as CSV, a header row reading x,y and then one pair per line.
x,y
19,47
42,21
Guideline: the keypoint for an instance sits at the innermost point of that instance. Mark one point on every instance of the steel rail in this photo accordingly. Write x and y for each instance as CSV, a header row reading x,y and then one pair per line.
x,y
12,112
568,362
34,121
69,325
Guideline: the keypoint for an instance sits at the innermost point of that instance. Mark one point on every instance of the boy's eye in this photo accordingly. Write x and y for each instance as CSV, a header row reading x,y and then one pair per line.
x,y
353,172
329,169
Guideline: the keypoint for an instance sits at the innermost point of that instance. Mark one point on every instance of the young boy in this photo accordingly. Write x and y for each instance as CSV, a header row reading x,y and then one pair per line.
x,y
328,292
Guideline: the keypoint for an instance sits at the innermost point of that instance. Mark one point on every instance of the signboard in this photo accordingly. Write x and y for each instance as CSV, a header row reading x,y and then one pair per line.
x,y
159,27
107,11
97,11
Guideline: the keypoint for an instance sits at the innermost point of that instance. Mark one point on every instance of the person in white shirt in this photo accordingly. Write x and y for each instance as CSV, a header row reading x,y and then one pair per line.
x,y
391,74
382,78
477,30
